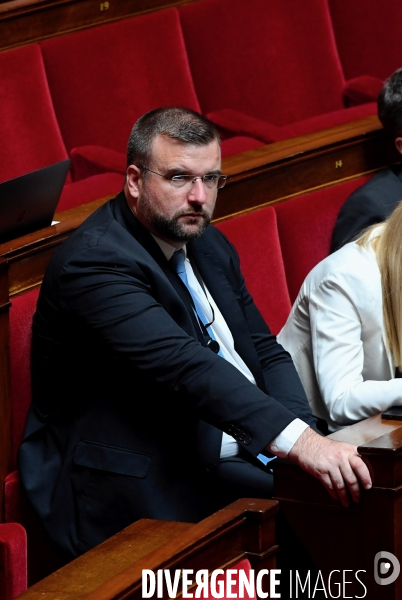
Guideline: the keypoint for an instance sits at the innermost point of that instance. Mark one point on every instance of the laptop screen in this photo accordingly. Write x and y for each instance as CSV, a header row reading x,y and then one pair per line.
x,y
29,202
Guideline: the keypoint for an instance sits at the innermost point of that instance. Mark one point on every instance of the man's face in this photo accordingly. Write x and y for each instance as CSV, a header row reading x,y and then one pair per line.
x,y
176,215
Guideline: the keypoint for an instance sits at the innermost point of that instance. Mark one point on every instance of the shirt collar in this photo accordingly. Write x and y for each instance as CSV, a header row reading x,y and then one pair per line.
x,y
166,248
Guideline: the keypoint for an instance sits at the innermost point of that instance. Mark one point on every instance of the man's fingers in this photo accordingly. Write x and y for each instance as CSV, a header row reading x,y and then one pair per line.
x,y
351,471
334,483
336,464
361,469
340,488
328,484
352,485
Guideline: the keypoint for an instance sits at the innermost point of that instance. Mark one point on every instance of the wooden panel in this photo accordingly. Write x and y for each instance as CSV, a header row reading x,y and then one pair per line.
x,y
114,569
26,21
278,171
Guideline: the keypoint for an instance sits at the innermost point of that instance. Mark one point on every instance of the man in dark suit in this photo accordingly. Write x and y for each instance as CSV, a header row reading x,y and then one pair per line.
x,y
131,389
375,200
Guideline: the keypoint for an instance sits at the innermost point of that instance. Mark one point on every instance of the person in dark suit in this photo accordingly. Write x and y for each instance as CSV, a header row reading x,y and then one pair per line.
x,y
150,400
374,201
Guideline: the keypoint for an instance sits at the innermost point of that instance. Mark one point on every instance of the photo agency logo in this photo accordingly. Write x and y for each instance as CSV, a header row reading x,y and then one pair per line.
x,y
386,568
240,584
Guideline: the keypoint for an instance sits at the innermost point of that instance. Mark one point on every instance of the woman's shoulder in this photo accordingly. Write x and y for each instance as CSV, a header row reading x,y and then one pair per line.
x,y
351,266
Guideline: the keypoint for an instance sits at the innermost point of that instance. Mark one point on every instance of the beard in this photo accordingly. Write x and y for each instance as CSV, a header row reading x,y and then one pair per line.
x,y
184,226
177,231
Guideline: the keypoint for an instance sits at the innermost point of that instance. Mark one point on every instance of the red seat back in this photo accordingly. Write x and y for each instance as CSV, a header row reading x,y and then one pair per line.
x,y
89,189
104,78
13,560
373,26
255,237
274,60
42,556
305,226
29,132
21,313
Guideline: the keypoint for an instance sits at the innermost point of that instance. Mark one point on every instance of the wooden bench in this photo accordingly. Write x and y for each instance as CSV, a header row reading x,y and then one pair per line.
x,y
244,530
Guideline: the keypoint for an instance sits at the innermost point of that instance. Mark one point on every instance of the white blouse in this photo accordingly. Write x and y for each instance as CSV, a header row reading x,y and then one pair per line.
x,y
335,336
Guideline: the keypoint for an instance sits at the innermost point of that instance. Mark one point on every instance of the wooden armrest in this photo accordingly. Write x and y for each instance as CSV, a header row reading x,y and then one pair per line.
x,y
114,569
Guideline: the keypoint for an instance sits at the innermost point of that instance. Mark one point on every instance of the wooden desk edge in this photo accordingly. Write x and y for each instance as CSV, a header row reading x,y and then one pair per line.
x,y
174,542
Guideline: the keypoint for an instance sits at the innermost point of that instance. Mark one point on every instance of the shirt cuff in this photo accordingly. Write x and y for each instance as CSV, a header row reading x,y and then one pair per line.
x,y
282,444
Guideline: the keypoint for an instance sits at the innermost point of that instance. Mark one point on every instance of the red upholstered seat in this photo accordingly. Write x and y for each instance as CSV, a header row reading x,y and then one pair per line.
x,y
103,79
368,36
90,188
274,63
305,226
13,560
239,143
21,313
42,556
255,237
92,160
29,132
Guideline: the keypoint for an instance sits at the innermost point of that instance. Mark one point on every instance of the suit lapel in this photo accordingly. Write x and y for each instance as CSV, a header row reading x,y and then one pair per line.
x,y
126,218
213,273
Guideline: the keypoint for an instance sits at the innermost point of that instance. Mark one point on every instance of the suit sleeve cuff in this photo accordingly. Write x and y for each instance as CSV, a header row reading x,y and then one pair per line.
x,y
282,444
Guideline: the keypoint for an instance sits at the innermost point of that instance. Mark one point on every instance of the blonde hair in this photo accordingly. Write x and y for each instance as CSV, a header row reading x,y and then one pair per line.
x,y
387,244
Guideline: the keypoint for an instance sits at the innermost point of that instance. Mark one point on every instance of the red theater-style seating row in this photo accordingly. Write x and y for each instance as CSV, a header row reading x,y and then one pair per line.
x,y
268,69
262,71
104,78
29,130
258,71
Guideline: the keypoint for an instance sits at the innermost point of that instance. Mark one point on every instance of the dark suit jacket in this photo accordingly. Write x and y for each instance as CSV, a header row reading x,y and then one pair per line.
x,y
371,203
128,402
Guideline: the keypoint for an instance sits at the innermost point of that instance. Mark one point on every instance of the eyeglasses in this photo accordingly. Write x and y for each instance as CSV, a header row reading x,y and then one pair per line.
x,y
210,180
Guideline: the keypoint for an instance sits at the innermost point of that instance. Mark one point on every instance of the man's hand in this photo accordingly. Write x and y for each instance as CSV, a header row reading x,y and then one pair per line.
x,y
336,464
